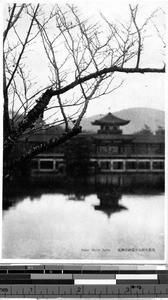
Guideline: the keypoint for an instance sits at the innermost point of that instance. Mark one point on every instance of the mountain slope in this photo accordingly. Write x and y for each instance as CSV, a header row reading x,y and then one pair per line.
x,y
138,118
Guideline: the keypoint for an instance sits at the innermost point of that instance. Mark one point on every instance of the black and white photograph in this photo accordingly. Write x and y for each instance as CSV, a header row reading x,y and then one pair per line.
x,y
84,111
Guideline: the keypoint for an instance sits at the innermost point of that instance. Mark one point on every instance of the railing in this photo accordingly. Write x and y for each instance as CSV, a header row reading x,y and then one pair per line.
x,y
105,165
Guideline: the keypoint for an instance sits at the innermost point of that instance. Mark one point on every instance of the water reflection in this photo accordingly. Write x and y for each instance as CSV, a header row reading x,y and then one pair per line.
x,y
76,197
69,219
108,188
109,201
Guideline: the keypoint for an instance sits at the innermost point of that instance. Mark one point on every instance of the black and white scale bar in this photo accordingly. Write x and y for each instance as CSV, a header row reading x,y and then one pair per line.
x,y
27,271
82,278
36,281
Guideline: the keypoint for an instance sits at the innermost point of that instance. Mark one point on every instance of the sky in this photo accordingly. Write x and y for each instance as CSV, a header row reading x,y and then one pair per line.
x,y
137,90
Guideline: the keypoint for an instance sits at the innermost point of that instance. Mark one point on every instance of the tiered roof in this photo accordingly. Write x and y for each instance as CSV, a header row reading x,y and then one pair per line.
x,y
110,119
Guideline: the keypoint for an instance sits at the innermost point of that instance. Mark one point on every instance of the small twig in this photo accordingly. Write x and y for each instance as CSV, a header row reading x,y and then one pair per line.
x,y
133,14
12,22
23,48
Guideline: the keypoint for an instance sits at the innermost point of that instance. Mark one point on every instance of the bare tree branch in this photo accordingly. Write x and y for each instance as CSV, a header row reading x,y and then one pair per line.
x,y
12,21
23,48
82,62
133,14
42,148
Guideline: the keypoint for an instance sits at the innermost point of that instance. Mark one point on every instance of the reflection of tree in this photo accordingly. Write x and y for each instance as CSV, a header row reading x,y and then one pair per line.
x,y
77,189
109,201
14,196
7,205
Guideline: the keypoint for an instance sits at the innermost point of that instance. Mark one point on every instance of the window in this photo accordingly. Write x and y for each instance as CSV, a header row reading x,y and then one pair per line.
x,y
105,165
34,164
144,165
113,150
108,150
131,165
118,165
158,149
46,164
158,165
59,164
103,149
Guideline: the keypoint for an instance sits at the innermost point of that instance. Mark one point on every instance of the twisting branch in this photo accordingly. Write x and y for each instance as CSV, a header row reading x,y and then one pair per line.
x,y
47,145
106,71
38,109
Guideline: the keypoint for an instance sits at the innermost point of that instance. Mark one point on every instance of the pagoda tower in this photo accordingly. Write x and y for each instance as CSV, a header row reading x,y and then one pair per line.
x,y
110,124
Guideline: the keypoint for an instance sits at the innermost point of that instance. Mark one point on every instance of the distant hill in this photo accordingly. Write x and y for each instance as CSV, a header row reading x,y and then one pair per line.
x,y
138,118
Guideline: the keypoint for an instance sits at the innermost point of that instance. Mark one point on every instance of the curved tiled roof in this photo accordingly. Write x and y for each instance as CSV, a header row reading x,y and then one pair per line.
x,y
110,119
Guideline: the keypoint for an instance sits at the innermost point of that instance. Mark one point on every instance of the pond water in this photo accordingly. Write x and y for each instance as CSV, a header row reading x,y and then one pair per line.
x,y
104,224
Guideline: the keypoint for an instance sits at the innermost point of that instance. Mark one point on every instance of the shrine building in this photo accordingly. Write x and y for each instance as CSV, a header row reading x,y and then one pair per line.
x,y
110,149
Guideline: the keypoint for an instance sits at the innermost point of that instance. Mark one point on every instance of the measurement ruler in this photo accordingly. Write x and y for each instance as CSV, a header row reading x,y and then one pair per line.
x,y
83,291
54,281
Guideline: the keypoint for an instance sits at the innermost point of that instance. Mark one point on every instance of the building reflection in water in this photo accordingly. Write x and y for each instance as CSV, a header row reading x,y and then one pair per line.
x,y
108,188
76,197
109,201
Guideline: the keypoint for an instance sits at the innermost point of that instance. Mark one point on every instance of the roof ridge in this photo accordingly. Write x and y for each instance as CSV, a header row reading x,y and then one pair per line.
x,y
110,119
